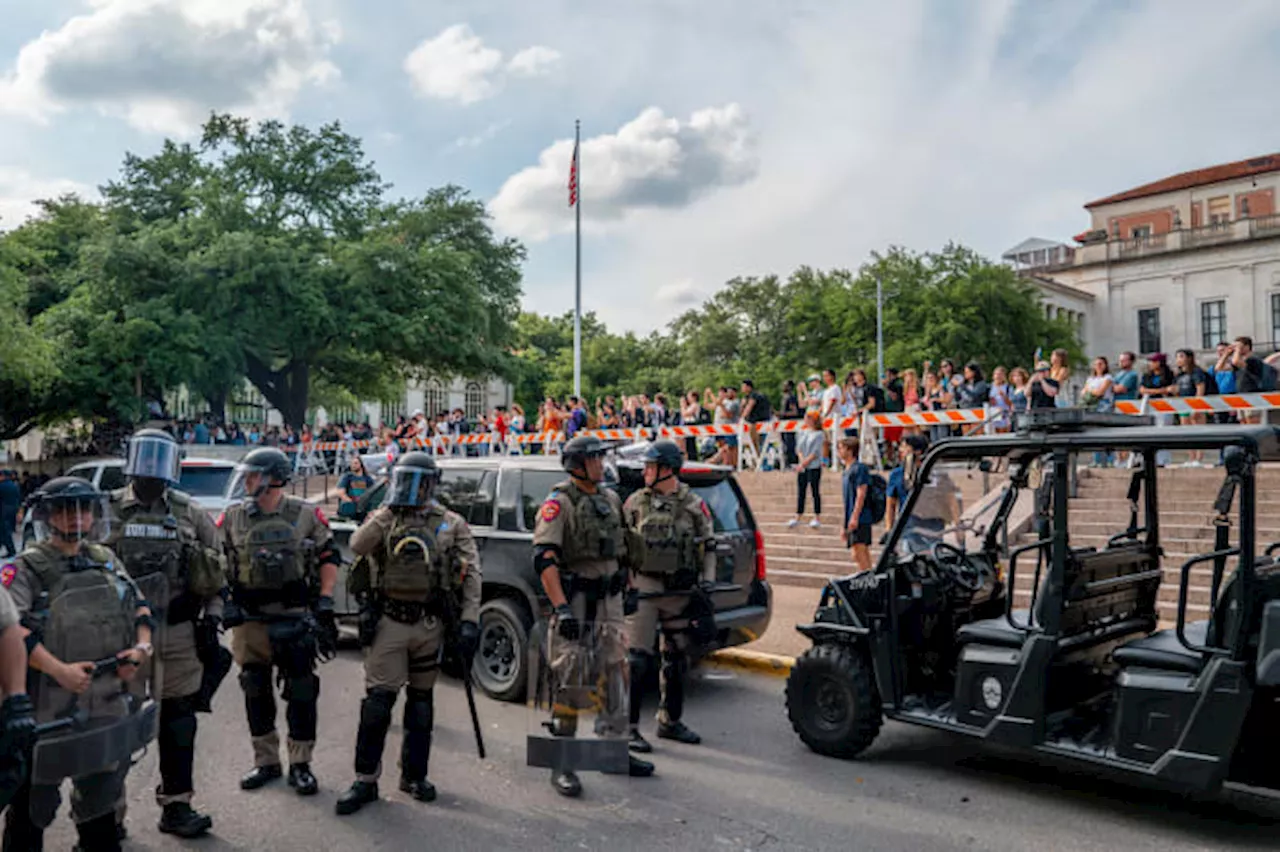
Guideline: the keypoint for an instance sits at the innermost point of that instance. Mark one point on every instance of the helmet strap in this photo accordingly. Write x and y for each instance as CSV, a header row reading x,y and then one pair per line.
x,y
670,474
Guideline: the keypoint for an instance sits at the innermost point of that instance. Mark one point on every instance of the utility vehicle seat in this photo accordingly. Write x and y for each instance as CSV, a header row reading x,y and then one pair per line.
x,y
1162,650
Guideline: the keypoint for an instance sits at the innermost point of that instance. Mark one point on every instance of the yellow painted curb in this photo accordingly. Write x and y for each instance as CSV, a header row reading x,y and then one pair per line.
x,y
774,665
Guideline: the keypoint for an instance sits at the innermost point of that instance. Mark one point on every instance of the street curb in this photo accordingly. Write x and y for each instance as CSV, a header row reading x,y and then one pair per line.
x,y
774,665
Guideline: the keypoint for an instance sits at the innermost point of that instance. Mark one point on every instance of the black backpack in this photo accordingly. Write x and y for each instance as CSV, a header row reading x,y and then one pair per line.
x,y
877,497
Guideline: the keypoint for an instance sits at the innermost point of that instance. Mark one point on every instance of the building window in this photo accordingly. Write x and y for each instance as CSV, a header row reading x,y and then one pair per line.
x,y
1275,318
474,400
433,399
1219,210
1149,330
1213,323
1140,232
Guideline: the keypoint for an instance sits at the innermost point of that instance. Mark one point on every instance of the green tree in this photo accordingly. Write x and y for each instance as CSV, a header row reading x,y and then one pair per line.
x,y
26,358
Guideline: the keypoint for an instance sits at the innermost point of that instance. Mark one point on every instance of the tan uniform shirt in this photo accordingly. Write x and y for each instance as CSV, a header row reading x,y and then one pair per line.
x,y
454,541
8,610
311,524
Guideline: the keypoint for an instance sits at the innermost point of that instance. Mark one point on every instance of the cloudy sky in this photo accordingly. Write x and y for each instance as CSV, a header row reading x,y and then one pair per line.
x,y
721,137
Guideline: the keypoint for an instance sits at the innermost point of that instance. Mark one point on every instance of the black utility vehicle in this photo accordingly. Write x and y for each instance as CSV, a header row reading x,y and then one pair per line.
x,y
932,635
500,497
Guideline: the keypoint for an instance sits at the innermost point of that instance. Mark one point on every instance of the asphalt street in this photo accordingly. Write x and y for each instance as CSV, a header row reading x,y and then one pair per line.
x,y
751,785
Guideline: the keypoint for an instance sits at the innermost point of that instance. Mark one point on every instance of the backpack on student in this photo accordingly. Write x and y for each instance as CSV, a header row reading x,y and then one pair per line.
x,y
877,497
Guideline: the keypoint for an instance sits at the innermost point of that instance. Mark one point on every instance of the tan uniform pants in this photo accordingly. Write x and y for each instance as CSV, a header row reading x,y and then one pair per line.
x,y
404,654
591,671
251,646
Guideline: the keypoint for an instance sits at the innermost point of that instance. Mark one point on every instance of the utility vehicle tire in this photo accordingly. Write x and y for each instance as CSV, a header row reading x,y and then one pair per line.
x,y
832,701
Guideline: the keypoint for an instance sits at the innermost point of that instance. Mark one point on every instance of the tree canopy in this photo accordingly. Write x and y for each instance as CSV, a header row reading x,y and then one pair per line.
x,y
951,303
264,252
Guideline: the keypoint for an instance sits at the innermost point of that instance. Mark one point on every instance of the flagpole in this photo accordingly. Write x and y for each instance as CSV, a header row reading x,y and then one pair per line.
x,y
880,328
577,279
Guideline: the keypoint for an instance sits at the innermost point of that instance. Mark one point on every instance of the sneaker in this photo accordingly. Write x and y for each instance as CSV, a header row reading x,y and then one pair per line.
x,y
793,523
815,524
680,732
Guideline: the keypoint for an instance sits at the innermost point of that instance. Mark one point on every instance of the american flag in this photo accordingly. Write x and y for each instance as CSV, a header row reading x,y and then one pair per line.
x,y
573,177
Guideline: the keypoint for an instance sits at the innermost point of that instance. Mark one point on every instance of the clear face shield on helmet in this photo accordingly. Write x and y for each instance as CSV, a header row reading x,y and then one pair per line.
x,y
254,480
72,520
411,487
152,457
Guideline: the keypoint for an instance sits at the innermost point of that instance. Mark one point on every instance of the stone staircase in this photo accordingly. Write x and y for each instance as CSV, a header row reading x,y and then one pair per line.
x,y
1101,510
807,557
800,556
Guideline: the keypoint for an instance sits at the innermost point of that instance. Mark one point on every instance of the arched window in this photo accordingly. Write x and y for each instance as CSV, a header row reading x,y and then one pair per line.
x,y
474,400
433,398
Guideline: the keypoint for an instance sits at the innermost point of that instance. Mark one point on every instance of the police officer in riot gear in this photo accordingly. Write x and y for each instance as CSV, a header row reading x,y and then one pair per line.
x,y
155,528
70,520
17,714
578,543
283,566
675,525
418,571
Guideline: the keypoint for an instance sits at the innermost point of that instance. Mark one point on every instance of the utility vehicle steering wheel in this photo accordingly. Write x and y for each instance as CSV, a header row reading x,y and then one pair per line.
x,y
955,563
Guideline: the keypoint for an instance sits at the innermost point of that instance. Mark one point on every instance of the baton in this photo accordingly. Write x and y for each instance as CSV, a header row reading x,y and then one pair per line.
x,y
684,593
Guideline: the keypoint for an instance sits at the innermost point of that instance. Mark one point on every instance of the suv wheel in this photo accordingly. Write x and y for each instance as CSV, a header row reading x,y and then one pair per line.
x,y
832,701
500,666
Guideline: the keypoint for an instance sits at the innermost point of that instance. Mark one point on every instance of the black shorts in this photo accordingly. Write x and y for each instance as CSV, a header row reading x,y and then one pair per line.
x,y
862,535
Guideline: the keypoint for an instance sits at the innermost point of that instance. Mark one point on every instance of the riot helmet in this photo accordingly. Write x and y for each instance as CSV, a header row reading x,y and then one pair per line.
x,y
270,467
413,481
663,453
577,452
152,463
70,510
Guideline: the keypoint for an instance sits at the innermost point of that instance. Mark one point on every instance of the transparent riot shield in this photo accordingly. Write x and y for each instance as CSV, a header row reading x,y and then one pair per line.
x,y
578,698
91,735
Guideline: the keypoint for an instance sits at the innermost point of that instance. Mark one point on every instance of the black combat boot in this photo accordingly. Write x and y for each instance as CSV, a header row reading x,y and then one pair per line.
x,y
638,743
358,795
301,779
420,788
181,819
260,776
680,732
566,783
638,768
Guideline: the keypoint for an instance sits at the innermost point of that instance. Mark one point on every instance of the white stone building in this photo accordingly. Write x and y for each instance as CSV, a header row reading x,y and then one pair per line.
x,y
1182,262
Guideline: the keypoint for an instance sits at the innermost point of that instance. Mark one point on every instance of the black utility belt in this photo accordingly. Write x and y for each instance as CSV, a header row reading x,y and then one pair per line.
x,y
407,612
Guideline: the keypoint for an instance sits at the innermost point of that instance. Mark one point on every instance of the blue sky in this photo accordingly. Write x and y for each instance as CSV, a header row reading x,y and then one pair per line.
x,y
721,138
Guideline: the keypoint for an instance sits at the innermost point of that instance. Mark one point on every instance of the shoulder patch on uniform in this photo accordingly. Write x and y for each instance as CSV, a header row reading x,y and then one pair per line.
x,y
320,518
550,510
706,510
222,517
8,570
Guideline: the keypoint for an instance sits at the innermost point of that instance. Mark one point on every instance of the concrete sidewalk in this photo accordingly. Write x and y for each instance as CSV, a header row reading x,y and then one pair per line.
x,y
792,605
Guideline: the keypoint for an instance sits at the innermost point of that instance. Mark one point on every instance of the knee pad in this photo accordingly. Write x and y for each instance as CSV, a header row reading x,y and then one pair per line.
x,y
376,708
255,680
641,663
419,709
302,688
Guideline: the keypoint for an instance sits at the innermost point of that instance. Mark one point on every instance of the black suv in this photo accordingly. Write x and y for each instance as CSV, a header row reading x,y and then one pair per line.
x,y
500,497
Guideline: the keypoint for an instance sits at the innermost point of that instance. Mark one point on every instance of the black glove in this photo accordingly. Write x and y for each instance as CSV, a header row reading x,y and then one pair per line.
x,y
368,625
233,615
468,641
19,724
207,630
631,602
327,622
567,624
618,582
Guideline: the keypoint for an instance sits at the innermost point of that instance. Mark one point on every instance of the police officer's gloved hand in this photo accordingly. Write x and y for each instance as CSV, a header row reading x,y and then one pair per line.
x,y
468,640
207,630
631,602
567,624
17,714
327,620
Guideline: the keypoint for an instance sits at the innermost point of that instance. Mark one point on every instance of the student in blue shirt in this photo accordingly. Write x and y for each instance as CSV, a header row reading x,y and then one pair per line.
x,y
858,518
902,477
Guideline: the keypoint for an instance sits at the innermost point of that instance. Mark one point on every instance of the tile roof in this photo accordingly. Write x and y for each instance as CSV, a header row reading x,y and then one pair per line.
x,y
1199,177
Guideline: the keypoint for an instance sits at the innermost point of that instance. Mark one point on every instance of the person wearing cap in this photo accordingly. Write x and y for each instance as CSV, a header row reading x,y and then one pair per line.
x,y
1042,389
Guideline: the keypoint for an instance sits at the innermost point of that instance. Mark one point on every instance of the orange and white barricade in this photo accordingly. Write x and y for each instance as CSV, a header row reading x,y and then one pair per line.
x,y
1224,403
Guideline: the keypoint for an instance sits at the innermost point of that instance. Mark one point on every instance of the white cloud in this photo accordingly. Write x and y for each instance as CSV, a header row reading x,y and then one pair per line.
x,y
680,294
19,190
486,135
163,65
651,162
533,61
456,65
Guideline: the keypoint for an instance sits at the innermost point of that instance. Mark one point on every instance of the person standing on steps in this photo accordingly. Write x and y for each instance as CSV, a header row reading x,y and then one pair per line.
x,y
417,563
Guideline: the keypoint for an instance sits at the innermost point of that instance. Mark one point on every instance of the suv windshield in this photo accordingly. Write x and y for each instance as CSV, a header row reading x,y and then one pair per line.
x,y
205,481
